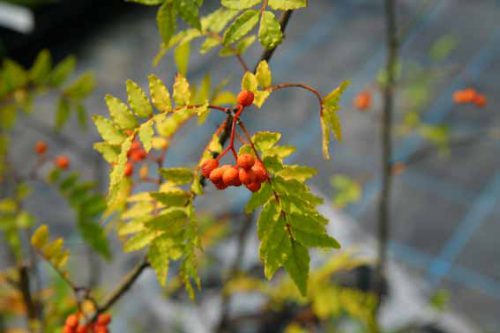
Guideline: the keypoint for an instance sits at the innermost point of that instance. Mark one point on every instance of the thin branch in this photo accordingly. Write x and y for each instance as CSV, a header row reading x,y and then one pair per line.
x,y
124,286
384,202
299,85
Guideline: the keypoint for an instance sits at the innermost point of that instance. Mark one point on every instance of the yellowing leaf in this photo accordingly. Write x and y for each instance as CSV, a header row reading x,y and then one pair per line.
x,y
188,11
138,100
241,26
108,152
299,172
249,82
263,74
40,237
146,133
108,131
239,4
159,94
181,57
182,93
270,34
265,140
140,240
287,4
177,175
120,113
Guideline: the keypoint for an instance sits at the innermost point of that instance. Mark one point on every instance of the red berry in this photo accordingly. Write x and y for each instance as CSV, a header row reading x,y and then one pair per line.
x,y
230,176
104,319
129,169
138,155
62,162
245,161
247,176
216,175
82,329
40,147
480,100
254,187
208,166
220,185
101,329
245,98
68,329
72,321
260,171
135,145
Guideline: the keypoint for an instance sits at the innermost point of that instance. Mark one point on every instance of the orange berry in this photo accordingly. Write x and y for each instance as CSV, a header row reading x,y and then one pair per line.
x,y
62,162
135,145
68,329
260,171
480,100
469,95
144,172
208,166
245,98
220,185
245,161
230,176
254,187
363,101
82,329
129,169
100,329
216,175
40,147
72,320
458,97
138,155
104,319
247,176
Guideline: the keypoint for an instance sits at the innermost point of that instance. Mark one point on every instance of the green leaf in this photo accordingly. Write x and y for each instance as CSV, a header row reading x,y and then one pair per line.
x,y
172,198
94,235
159,94
259,198
41,68
108,131
120,113
217,20
241,26
146,133
140,240
249,82
14,76
299,172
309,232
189,12
268,216
172,221
209,44
275,246
138,100
182,93
62,113
265,140
270,34
181,57
165,19
160,252
260,97
239,4
297,265
80,88
178,176
62,71
263,74
287,4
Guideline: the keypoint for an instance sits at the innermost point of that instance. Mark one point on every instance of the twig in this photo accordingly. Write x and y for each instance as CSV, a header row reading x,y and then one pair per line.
x,y
386,141
24,286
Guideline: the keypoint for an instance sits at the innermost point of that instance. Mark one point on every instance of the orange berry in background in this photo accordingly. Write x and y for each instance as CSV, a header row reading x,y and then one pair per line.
x,y
62,162
40,147
230,176
129,169
144,172
216,175
245,98
245,161
247,176
68,329
208,166
72,320
363,101
254,187
104,319
480,100
468,95
459,97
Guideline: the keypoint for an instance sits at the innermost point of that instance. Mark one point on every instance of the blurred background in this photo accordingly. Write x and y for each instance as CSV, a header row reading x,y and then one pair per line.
x,y
445,211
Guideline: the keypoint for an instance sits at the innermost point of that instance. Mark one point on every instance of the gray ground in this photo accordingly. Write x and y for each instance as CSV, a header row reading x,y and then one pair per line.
x,y
445,212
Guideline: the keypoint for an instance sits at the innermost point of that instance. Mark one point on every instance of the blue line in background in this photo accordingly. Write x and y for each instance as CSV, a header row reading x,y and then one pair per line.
x,y
471,222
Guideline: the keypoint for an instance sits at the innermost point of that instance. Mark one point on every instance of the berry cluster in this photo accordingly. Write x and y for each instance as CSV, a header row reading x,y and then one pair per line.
x,y
247,171
135,154
73,325
62,161
469,96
